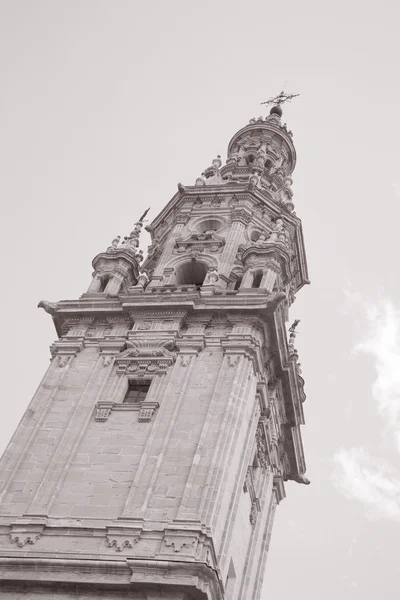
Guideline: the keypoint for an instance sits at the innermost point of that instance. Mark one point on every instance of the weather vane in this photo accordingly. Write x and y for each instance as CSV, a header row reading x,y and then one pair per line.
x,y
280,99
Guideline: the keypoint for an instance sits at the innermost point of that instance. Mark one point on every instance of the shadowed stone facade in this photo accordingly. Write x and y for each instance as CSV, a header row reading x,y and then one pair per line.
x,y
152,457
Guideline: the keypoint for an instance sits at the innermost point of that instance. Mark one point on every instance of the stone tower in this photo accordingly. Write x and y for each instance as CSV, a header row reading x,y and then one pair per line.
x,y
153,455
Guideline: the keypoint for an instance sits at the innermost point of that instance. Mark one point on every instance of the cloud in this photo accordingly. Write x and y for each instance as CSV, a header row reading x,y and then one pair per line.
x,y
358,475
396,186
382,343
373,482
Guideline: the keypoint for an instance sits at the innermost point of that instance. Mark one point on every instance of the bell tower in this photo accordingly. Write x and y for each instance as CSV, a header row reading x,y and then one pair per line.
x,y
151,459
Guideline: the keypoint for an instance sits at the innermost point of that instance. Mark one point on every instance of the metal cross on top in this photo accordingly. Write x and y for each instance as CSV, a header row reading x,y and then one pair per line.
x,y
280,99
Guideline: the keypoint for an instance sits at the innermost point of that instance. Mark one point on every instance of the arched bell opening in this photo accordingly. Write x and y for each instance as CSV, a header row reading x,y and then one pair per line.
x,y
257,278
191,273
104,280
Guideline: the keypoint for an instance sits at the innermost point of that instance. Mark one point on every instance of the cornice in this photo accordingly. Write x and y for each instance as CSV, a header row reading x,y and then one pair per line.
x,y
125,573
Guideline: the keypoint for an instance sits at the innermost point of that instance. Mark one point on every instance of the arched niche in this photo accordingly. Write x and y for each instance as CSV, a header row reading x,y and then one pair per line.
x,y
192,272
254,235
211,224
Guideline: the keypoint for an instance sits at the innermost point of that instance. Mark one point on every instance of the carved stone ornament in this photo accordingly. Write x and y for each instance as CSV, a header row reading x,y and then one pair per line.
x,y
24,535
63,361
121,542
186,360
208,241
255,509
182,218
233,360
241,216
248,486
262,448
147,410
107,360
21,539
211,277
212,175
49,307
142,281
143,356
103,410
279,234
180,541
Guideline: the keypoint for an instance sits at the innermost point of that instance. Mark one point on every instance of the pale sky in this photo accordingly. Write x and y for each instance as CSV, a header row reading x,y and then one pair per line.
x,y
106,104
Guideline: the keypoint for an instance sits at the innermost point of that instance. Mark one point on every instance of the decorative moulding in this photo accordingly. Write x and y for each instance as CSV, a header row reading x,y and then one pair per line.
x,y
180,542
146,409
23,535
103,410
122,538
66,347
145,356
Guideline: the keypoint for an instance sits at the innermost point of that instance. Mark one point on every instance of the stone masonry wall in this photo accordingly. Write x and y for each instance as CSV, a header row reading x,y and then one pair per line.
x,y
41,444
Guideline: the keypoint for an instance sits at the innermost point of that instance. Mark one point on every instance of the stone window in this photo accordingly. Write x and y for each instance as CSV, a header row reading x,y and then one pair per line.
x,y
136,393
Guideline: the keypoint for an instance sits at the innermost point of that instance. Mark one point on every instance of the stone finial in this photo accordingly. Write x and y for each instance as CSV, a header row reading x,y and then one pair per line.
x,y
143,280
212,276
217,162
49,307
131,241
114,244
201,180
279,233
212,175
254,180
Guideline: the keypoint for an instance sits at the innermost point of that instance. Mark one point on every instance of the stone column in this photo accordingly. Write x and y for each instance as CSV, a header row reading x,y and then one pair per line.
x,y
268,280
240,220
114,284
247,280
95,284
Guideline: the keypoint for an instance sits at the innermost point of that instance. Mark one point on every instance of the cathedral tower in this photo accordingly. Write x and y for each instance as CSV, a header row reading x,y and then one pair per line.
x,y
153,455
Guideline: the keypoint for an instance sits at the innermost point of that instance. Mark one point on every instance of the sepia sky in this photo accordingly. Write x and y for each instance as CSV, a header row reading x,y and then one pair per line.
x,y
106,105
